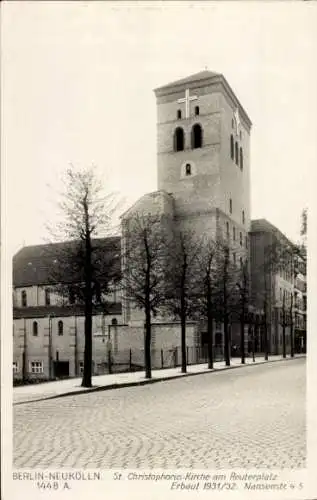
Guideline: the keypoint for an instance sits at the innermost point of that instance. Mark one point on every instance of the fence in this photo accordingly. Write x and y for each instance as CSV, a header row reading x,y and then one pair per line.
x,y
133,359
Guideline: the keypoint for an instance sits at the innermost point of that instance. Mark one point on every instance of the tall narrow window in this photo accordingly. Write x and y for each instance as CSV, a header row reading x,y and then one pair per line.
x,y
246,242
237,153
179,114
241,263
234,257
179,139
60,328
230,205
243,217
35,328
24,299
227,229
231,147
241,241
241,159
234,234
188,169
196,110
197,136
232,123
47,297
71,296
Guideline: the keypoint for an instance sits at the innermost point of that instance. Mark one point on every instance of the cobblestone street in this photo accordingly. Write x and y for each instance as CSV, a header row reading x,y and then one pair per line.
x,y
248,417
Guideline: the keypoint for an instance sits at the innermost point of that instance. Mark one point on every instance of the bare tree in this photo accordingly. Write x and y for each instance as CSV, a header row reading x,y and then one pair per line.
x,y
243,285
206,298
84,271
182,281
144,269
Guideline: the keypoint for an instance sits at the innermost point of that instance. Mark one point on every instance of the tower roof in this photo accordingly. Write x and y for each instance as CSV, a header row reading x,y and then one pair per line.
x,y
196,77
202,79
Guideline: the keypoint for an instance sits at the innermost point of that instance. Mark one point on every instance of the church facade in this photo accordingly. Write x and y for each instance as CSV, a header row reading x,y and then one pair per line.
x,y
203,173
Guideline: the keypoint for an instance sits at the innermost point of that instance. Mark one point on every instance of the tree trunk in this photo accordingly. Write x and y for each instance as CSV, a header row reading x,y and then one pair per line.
x,y
210,332
226,338
147,343
183,337
86,382
284,327
292,328
242,324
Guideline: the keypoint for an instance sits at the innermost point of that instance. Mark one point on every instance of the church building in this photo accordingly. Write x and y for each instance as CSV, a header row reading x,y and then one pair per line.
x,y
203,168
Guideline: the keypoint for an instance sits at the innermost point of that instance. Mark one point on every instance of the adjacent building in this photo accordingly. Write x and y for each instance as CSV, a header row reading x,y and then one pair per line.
x,y
278,285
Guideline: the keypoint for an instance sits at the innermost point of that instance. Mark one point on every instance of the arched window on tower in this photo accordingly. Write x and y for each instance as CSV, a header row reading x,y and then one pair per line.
x,y
35,328
179,114
241,158
237,154
197,136
231,147
196,110
188,169
179,139
60,328
24,299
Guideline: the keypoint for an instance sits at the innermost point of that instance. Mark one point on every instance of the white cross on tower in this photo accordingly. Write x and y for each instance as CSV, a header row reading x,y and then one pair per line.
x,y
237,121
187,100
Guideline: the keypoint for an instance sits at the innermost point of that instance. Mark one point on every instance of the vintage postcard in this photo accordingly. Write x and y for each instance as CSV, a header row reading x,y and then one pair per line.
x,y
158,245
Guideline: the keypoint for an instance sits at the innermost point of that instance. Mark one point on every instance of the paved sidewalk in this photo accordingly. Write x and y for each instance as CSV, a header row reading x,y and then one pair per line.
x,y
48,390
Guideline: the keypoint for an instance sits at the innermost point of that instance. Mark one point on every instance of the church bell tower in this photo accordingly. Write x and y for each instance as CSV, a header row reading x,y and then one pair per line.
x,y
203,135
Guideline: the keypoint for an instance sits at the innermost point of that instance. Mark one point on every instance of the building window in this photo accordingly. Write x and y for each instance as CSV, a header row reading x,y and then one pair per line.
x,y
281,294
35,328
179,114
246,242
196,110
15,367
227,229
241,263
114,321
71,296
197,136
47,297
179,139
230,205
241,241
240,135
234,233
24,299
36,367
237,153
243,217
241,159
188,169
60,328
232,123
231,147
234,257
81,367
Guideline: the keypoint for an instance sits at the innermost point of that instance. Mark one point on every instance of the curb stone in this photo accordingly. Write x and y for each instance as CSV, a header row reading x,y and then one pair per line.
x,y
151,381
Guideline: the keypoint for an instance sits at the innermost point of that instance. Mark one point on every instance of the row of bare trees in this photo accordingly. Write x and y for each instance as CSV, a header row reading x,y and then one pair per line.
x,y
164,272
175,273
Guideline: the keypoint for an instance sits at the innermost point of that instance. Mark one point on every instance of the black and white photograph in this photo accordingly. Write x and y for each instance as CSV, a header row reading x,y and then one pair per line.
x,y
158,172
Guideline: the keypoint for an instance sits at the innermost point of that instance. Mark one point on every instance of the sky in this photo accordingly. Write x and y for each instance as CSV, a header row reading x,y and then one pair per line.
x,y
77,88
